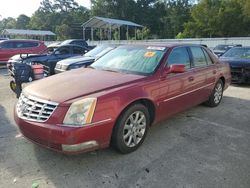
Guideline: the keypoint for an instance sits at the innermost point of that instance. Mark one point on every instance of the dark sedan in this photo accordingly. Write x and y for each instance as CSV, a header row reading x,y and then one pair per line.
x,y
50,59
84,60
220,49
239,60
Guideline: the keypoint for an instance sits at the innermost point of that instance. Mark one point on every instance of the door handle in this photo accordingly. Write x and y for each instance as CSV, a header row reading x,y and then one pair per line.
x,y
191,78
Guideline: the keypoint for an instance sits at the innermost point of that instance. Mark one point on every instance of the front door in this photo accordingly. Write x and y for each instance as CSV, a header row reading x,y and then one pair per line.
x,y
175,89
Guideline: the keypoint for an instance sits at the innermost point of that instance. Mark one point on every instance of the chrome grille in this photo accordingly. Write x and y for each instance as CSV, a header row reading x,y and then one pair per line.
x,y
31,108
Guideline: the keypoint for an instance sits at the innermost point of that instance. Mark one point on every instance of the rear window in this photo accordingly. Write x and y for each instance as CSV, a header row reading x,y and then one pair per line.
x,y
7,44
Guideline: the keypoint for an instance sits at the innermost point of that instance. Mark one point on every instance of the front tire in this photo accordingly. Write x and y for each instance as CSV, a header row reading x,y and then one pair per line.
x,y
131,128
13,85
217,94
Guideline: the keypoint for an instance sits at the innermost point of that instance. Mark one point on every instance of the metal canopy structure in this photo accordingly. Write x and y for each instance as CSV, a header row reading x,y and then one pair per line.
x,y
26,33
108,24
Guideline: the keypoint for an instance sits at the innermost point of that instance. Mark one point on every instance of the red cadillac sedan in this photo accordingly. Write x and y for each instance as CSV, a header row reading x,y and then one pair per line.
x,y
116,99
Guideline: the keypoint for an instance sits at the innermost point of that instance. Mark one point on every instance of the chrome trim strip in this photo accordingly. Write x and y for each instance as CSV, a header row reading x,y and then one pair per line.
x,y
171,98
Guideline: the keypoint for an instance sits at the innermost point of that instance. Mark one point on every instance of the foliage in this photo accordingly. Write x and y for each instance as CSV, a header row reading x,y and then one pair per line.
x,y
219,18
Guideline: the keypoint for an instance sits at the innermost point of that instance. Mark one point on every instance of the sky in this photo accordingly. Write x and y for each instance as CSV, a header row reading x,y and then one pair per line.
x,y
13,8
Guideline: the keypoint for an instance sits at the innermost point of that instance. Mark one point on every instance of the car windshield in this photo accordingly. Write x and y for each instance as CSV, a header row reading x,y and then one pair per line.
x,y
240,53
97,50
131,59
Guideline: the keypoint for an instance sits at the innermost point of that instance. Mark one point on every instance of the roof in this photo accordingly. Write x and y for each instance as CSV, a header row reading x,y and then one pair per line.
x,y
26,32
100,22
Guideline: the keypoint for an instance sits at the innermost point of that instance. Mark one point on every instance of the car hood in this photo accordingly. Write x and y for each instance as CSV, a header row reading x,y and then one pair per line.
x,y
20,57
75,59
77,83
235,62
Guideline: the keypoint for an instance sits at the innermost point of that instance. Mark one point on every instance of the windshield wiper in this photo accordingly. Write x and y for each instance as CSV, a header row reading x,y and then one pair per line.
x,y
110,70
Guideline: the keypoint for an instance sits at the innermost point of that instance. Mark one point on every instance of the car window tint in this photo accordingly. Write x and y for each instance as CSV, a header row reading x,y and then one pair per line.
x,y
7,45
80,43
179,56
209,61
198,57
63,50
19,45
30,44
77,50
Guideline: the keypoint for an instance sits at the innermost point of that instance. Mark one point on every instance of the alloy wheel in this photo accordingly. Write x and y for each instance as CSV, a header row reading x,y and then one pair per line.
x,y
134,129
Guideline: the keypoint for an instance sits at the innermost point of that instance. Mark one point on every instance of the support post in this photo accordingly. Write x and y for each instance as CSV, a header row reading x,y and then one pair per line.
x,y
135,33
92,34
119,32
83,33
127,32
110,32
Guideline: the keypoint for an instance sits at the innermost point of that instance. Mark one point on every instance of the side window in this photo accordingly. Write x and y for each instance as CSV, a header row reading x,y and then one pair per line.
x,y
19,45
209,61
30,44
63,50
77,50
7,45
179,56
80,43
198,57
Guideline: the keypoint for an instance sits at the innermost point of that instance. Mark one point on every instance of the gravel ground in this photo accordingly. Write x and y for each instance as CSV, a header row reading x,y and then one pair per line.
x,y
201,147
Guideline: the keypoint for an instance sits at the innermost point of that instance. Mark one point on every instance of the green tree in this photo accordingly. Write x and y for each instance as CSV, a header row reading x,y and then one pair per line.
x,y
63,32
219,18
22,22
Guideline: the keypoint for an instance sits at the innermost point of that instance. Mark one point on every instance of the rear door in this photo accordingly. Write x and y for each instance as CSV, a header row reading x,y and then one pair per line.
x,y
203,73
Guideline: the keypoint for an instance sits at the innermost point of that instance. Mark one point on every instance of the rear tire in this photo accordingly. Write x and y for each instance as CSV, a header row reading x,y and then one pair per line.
x,y
131,129
216,96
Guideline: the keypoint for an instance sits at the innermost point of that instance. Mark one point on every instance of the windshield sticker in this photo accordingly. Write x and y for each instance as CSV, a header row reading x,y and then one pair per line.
x,y
156,48
149,54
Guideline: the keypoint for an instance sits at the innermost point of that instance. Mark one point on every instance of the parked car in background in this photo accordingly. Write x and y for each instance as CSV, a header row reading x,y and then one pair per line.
x,y
119,96
79,42
4,38
50,59
239,61
9,48
220,49
84,60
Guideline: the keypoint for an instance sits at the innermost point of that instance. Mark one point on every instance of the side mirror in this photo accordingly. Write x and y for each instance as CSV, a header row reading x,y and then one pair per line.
x,y
176,68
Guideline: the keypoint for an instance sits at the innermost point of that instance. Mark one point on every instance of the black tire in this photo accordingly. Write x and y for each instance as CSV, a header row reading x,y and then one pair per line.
x,y
217,94
13,85
136,132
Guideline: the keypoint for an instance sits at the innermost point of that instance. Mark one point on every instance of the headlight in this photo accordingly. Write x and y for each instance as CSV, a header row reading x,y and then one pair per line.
x,y
80,112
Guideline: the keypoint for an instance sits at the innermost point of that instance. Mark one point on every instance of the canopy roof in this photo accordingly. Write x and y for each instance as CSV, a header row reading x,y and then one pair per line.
x,y
27,32
100,22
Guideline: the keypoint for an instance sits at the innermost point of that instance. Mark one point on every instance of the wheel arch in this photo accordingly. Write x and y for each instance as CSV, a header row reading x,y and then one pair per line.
x,y
144,101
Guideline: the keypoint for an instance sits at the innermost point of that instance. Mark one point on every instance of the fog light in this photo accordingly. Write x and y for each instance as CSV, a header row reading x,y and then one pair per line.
x,y
79,147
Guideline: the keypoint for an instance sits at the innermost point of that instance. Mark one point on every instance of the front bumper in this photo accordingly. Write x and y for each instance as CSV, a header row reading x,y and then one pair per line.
x,y
67,139
240,75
